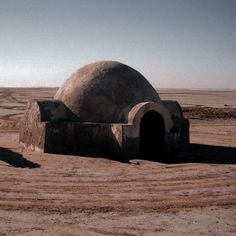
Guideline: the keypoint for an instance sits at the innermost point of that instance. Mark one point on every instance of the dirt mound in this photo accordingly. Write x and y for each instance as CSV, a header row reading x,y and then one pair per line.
x,y
200,112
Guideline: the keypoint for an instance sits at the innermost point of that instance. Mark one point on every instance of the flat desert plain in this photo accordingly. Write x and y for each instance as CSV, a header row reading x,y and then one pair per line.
x,y
47,194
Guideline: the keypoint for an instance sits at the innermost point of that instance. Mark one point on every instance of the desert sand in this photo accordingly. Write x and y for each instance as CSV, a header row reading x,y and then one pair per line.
x,y
47,194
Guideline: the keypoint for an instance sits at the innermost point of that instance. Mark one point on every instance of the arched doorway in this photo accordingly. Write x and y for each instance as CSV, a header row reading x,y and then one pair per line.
x,y
152,136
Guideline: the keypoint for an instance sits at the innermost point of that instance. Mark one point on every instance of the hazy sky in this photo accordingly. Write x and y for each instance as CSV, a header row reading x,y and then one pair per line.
x,y
173,43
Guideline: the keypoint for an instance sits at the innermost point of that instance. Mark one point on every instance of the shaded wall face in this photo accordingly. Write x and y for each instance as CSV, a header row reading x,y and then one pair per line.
x,y
81,138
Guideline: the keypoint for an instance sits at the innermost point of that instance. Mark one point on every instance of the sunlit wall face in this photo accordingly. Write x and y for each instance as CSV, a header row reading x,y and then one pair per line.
x,y
181,43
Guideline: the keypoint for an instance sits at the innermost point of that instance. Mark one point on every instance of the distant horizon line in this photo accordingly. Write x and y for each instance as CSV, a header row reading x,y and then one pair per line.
x,y
162,88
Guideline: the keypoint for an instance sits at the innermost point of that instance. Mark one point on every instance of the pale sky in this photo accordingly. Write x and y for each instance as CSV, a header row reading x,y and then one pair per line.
x,y
173,43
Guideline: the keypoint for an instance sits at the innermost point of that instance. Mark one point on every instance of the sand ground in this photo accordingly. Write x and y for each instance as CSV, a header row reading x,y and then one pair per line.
x,y
46,194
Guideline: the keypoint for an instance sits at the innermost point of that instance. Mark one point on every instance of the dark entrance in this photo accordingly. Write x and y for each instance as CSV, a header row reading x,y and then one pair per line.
x,y
152,136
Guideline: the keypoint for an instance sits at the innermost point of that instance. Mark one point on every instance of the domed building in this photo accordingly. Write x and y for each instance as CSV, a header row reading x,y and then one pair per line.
x,y
105,108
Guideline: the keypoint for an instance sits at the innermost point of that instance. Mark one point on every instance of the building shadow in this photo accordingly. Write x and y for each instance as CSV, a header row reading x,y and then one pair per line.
x,y
16,159
92,153
200,153
192,153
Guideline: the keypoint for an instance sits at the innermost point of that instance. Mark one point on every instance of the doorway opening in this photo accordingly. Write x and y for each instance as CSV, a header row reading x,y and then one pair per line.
x,y
152,136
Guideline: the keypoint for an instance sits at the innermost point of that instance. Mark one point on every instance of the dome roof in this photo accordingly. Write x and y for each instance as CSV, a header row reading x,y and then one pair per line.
x,y
105,92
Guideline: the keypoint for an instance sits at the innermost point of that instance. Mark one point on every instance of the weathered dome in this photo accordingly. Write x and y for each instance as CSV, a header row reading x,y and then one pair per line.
x,y
105,92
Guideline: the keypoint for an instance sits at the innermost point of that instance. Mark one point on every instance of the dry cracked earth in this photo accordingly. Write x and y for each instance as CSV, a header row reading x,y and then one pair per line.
x,y
46,194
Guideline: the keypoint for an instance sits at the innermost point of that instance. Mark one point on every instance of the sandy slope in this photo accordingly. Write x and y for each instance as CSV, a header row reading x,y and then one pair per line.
x,y
46,194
